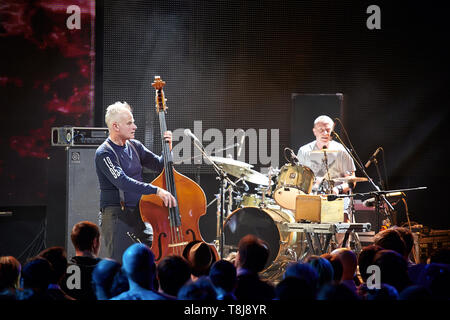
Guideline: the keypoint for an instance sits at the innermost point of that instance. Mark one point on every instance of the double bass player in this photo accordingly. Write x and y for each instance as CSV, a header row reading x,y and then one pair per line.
x,y
119,161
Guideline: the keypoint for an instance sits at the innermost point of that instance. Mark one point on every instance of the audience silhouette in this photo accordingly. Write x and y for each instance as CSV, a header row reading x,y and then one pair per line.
x,y
251,259
58,260
108,279
341,275
172,273
138,263
85,238
201,289
223,276
10,270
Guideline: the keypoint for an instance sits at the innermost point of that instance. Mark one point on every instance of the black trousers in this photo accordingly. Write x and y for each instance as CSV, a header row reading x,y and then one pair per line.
x,y
120,229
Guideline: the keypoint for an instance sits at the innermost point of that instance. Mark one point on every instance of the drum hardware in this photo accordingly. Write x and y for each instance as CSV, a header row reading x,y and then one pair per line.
x,y
266,224
224,180
292,181
240,169
380,209
319,235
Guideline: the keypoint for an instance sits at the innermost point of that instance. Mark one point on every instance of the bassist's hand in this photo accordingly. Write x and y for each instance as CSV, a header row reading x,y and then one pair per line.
x,y
168,199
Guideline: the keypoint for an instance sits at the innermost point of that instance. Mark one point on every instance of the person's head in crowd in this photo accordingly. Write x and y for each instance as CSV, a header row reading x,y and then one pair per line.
x,y
253,253
337,292
407,238
108,279
202,289
200,256
302,271
173,271
390,239
10,270
323,268
338,269
224,278
58,259
294,288
415,292
365,259
436,278
441,255
85,238
348,260
384,293
37,274
138,263
393,269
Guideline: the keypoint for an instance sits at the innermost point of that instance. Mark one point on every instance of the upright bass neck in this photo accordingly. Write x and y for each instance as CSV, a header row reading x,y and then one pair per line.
x,y
161,109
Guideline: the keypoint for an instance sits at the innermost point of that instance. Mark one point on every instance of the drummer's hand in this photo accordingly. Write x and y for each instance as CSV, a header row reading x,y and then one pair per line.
x,y
168,199
168,138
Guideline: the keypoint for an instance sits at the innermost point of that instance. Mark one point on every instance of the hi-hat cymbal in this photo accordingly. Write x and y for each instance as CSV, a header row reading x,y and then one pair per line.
x,y
241,169
350,179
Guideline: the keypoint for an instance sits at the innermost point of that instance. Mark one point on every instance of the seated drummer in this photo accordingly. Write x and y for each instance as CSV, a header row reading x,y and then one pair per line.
x,y
339,163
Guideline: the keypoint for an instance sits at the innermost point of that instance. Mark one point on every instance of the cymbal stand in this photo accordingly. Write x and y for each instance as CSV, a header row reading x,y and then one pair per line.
x,y
223,178
330,183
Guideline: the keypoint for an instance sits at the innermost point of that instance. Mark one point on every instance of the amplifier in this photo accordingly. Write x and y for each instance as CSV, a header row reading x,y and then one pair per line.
x,y
78,136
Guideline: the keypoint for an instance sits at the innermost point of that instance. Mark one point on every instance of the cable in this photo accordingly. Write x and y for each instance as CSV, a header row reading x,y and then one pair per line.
x,y
348,139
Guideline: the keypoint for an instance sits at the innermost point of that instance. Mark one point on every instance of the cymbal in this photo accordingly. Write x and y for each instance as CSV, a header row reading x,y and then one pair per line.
x,y
350,179
324,151
241,169
231,162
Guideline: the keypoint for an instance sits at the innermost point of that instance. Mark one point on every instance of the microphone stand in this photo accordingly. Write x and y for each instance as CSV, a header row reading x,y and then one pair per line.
x,y
370,193
223,180
379,195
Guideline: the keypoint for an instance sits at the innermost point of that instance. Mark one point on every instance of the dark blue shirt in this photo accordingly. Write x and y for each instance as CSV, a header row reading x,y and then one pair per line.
x,y
125,174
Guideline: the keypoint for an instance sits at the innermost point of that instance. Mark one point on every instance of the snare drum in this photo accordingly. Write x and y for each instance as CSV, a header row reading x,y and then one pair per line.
x,y
292,181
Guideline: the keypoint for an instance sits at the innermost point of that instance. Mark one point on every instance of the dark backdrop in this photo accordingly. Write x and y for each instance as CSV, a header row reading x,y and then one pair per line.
x,y
236,64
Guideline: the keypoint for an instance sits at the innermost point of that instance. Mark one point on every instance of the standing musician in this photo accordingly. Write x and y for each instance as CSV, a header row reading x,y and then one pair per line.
x,y
119,161
334,162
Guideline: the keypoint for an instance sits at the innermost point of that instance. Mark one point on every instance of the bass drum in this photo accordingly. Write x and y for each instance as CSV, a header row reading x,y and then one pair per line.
x,y
292,181
264,223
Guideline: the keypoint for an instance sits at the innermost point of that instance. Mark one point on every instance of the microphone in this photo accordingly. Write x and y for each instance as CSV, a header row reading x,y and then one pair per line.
x,y
188,133
246,188
292,158
240,147
372,157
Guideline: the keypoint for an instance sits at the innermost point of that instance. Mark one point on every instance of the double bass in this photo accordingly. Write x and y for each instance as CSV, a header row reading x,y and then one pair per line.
x,y
173,228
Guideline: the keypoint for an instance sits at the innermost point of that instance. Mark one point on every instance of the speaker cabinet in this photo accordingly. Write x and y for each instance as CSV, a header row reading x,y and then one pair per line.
x,y
73,193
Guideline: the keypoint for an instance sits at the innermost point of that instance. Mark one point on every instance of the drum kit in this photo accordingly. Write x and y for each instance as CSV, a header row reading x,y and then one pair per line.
x,y
265,210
